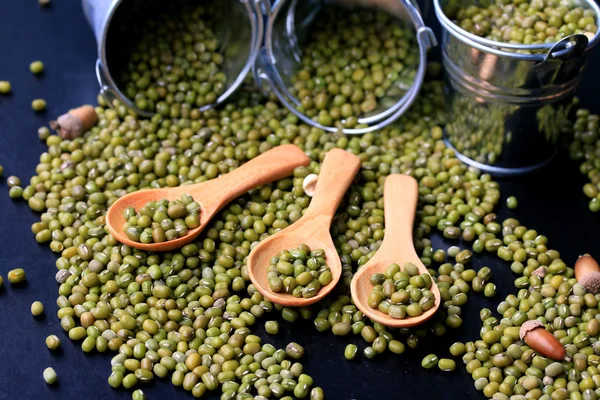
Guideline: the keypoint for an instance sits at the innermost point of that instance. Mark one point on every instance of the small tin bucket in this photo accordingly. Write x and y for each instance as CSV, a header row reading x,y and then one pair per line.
x,y
287,26
240,38
506,109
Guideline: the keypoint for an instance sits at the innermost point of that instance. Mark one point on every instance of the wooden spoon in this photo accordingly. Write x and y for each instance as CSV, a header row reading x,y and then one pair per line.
x,y
400,201
212,195
337,172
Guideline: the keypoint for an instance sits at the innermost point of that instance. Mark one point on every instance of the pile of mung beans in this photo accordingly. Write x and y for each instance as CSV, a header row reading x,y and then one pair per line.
x,y
163,312
187,315
162,220
526,22
586,147
352,61
184,314
300,272
502,366
401,293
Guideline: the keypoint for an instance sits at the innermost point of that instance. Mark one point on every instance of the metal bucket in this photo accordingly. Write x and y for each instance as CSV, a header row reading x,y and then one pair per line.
x,y
507,109
286,29
240,37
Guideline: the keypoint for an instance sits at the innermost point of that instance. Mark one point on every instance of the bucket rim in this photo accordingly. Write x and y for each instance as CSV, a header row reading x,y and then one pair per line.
x,y
488,45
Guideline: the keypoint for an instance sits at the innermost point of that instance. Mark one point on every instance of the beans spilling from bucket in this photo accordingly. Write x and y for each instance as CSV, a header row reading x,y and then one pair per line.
x,y
352,61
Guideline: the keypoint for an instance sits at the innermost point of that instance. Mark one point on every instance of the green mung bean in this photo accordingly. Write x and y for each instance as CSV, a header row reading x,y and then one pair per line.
x,y
36,67
138,394
43,133
350,352
15,192
38,105
50,376
430,361
489,290
446,364
511,202
294,350
272,327
53,342
16,276
13,181
5,87
37,308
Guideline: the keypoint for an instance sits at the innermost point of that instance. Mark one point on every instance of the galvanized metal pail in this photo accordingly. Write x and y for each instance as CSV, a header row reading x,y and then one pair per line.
x,y
506,108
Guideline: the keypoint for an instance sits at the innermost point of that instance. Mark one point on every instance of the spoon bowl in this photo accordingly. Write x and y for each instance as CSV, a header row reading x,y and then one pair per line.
x,y
285,239
400,202
337,172
212,195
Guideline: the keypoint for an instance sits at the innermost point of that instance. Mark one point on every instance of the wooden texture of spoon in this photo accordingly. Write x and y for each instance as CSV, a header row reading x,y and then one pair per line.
x,y
212,195
400,203
337,172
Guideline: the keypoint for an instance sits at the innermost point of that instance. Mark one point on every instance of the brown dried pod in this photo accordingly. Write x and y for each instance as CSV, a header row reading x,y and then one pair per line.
x,y
591,282
587,273
74,123
585,264
543,342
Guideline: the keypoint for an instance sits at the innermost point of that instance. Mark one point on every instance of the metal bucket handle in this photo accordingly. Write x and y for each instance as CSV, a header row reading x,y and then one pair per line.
x,y
566,55
266,73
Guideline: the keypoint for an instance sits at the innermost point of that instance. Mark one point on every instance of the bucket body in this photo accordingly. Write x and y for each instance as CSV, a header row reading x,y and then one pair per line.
x,y
289,23
240,32
506,108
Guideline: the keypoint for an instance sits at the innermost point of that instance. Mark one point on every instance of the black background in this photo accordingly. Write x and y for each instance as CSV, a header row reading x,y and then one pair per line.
x,y
550,201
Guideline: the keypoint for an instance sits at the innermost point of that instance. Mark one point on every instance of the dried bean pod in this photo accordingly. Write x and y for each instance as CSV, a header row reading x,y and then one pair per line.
x,y
584,265
542,341
587,273
74,123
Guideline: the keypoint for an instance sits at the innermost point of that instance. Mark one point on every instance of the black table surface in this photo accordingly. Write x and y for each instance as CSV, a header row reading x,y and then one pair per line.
x,y
550,201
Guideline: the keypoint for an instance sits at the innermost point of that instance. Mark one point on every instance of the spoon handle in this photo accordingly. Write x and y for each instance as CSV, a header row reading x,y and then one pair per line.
x,y
400,196
270,166
337,172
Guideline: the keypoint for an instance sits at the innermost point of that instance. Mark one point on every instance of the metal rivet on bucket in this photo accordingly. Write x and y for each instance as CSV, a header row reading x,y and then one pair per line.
x,y
240,40
506,108
281,55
